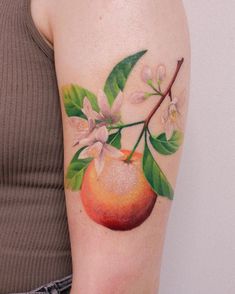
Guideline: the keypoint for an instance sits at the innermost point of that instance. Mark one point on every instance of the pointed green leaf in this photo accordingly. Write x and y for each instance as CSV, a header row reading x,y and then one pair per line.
x,y
115,139
155,175
164,146
117,79
76,155
73,96
76,171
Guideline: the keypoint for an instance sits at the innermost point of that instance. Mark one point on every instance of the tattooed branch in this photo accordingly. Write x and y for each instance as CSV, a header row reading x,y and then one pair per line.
x,y
119,187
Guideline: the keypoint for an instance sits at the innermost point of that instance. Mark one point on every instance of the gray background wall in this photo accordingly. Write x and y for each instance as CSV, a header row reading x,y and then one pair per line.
x,y
199,255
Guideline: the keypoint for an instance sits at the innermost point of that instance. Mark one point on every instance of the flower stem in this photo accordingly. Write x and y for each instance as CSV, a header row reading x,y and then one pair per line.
x,y
128,159
150,83
151,114
154,94
126,126
170,95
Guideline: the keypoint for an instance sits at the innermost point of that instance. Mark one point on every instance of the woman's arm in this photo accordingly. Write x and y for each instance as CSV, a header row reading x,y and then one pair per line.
x,y
123,73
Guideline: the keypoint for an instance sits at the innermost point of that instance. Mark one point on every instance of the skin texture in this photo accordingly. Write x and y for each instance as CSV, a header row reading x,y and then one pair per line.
x,y
89,38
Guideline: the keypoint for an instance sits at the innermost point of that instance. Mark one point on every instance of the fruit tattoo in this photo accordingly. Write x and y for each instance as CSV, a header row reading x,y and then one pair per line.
x,y
119,187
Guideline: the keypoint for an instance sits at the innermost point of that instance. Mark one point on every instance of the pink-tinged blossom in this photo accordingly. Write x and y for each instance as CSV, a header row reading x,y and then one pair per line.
x,y
137,97
172,118
109,114
161,72
100,148
146,74
83,129
88,110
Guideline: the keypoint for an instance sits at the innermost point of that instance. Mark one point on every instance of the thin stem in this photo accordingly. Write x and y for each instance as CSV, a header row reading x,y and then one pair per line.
x,y
170,95
126,126
148,131
154,94
128,159
150,83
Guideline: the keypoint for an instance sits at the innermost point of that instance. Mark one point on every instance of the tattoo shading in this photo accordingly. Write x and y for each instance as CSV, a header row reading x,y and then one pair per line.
x,y
119,187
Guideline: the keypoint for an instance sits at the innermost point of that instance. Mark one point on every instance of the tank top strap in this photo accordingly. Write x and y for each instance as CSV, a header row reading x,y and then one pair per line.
x,y
34,32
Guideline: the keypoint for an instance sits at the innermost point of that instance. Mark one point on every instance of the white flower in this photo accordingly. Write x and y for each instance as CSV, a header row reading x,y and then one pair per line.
x,y
172,118
100,148
109,114
83,129
93,132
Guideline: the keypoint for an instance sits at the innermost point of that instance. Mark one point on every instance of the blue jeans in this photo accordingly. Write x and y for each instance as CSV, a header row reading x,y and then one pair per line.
x,y
62,286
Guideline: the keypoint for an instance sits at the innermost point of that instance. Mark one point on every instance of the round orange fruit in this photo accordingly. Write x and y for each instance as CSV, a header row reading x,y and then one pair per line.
x,y
120,198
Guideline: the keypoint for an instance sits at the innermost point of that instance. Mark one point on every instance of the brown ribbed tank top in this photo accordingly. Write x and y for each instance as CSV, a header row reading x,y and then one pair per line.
x,y
34,239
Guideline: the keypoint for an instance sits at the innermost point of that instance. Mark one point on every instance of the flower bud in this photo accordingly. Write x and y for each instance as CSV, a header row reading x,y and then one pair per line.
x,y
137,97
146,74
161,72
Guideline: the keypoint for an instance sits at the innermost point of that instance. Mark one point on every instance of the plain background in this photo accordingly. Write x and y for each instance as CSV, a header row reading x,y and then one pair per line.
x,y
199,255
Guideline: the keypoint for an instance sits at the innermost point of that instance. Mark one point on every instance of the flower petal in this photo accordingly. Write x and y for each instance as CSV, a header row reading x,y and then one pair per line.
x,y
97,116
89,139
99,163
93,150
91,124
87,108
81,134
77,122
161,72
169,128
116,107
112,151
102,134
103,104
165,116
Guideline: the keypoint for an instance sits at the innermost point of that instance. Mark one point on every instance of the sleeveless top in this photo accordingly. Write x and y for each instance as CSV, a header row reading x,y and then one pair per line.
x,y
34,238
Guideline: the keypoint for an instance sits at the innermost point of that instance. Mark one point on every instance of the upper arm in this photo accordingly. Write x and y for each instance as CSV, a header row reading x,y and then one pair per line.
x,y
90,39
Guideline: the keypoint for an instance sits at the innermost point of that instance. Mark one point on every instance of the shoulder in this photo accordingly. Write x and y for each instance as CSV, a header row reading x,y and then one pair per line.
x,y
49,15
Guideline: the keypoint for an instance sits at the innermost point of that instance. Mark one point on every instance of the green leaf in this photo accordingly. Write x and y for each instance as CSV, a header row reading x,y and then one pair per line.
x,y
155,175
73,96
115,139
117,79
76,171
167,147
76,155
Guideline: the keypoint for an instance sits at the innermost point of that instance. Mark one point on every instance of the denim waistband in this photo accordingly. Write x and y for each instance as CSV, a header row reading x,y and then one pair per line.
x,y
61,286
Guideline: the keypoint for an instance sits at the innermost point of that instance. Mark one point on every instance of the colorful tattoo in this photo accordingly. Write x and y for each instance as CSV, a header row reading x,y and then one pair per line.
x,y
119,187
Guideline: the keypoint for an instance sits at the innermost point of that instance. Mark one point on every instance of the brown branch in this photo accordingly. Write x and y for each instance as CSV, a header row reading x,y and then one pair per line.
x,y
168,91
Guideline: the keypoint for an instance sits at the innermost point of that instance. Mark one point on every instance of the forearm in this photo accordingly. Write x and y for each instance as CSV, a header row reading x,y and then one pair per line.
x,y
117,233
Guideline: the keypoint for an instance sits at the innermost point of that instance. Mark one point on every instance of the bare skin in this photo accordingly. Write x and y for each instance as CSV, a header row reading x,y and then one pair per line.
x,y
89,38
